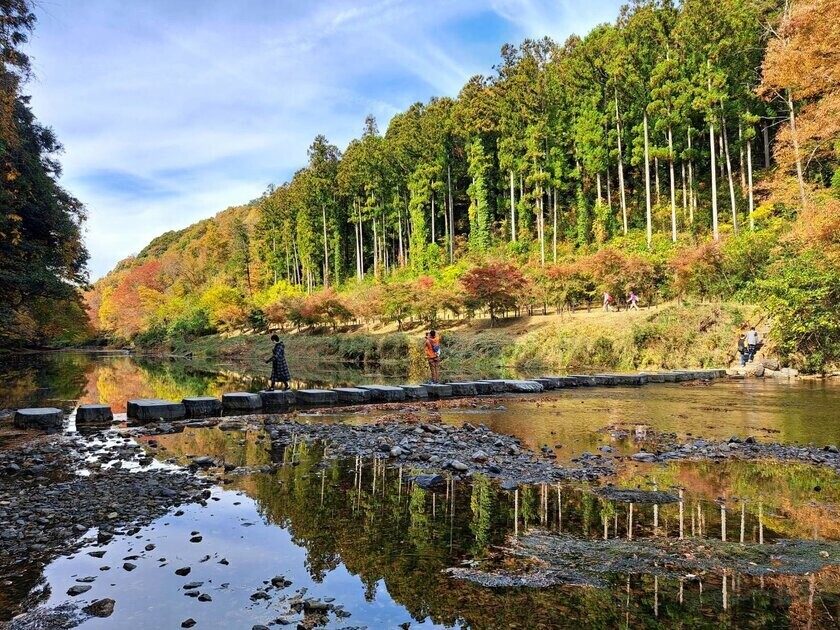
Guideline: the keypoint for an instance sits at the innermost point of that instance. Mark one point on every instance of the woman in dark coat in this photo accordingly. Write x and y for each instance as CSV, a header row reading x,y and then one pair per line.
x,y
279,368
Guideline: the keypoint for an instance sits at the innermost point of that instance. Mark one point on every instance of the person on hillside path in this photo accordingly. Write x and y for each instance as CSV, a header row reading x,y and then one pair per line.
x,y
432,346
608,300
279,367
742,348
752,343
633,300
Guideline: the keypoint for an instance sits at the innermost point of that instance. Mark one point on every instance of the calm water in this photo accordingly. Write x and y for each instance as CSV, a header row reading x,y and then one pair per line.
x,y
355,531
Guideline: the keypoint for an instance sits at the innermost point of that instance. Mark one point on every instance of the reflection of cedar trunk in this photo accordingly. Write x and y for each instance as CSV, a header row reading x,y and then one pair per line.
x,y
725,139
673,189
682,515
620,167
799,174
647,184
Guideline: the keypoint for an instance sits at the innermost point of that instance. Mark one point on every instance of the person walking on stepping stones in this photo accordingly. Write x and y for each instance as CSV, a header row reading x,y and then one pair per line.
x,y
279,367
433,354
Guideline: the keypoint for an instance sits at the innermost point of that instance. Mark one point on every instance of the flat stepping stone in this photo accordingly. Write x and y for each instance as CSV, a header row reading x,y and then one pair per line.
x,y
481,387
202,407
385,393
524,386
151,409
241,401
497,386
463,389
352,394
47,419
566,381
653,377
548,382
94,414
413,392
437,390
585,380
277,399
315,397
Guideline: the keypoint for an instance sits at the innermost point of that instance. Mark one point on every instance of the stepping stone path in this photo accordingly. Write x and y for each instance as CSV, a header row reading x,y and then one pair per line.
x,y
277,399
315,397
385,393
352,395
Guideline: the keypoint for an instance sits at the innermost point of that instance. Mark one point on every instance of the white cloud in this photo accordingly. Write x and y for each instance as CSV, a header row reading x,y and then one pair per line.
x,y
172,111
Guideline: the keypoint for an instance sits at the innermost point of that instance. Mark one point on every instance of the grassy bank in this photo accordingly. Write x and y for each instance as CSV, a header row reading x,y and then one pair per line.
x,y
672,336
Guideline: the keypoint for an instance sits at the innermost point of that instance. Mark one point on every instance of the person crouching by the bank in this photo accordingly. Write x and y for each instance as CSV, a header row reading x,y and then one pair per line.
x,y
279,367
433,354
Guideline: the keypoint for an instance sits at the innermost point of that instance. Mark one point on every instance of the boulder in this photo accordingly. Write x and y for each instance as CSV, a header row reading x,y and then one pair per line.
x,y
151,409
315,397
428,482
352,395
771,364
47,419
94,414
202,407
241,401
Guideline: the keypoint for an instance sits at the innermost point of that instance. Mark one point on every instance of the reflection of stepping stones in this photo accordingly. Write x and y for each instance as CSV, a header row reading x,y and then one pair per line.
x,y
241,401
47,419
202,407
626,495
151,409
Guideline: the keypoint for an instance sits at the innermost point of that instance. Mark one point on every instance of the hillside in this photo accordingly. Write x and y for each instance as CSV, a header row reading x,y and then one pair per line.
x,y
680,153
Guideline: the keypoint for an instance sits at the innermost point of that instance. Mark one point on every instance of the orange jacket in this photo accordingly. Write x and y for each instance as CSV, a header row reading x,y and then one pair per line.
x,y
430,343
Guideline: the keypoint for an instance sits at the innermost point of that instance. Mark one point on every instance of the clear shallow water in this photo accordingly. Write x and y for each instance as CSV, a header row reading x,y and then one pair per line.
x,y
350,530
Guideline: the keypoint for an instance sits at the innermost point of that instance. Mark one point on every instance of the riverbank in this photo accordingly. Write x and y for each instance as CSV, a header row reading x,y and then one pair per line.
x,y
665,337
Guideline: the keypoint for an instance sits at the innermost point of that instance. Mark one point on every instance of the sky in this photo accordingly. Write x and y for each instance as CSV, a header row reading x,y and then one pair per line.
x,y
173,110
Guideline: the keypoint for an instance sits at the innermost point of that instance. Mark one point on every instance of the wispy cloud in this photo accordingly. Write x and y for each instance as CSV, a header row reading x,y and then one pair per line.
x,y
172,111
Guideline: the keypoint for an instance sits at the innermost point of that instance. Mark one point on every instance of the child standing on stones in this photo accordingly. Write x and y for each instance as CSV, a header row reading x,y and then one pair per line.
x,y
279,367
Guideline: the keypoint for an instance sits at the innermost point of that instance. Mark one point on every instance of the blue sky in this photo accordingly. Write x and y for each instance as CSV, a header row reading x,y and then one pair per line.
x,y
172,110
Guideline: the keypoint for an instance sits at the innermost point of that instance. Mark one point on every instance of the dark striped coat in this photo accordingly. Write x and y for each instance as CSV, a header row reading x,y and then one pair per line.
x,y
279,367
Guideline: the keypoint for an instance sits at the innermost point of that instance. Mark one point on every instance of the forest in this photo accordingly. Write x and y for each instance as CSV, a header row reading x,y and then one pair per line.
x,y
686,151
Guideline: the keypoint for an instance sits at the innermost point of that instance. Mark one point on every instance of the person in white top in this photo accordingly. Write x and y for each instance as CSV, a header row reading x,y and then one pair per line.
x,y
752,343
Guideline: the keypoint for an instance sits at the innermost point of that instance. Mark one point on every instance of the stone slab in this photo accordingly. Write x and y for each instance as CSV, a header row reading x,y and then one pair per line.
x,y
413,392
437,390
352,394
463,389
202,407
524,386
549,382
94,414
385,393
151,409
241,401
566,381
497,386
277,399
47,419
482,387
605,380
653,377
315,397
585,380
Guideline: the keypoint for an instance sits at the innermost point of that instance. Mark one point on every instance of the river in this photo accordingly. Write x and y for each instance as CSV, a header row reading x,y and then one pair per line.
x,y
353,534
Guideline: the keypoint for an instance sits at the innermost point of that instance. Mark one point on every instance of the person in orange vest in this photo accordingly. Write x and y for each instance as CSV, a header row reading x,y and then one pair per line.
x,y
433,354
